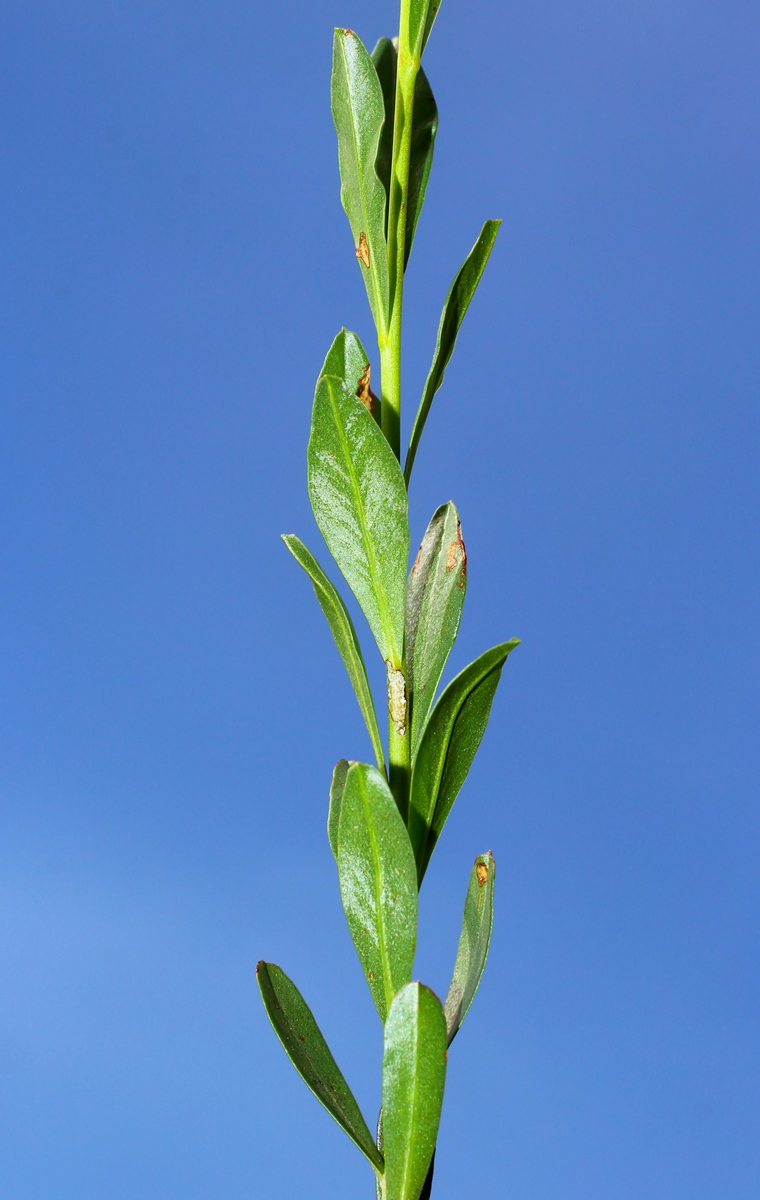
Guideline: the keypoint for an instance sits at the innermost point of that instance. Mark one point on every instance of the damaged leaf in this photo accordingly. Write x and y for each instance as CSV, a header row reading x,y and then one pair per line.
x,y
474,941
358,112
434,598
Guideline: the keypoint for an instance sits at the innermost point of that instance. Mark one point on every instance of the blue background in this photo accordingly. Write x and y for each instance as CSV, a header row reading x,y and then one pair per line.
x,y
174,262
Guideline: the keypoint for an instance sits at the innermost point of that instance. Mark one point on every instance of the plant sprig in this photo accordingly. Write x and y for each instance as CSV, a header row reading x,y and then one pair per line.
x,y
384,821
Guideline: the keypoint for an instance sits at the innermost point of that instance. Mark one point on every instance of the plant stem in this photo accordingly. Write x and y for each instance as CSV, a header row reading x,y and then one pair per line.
x,y
408,65
407,68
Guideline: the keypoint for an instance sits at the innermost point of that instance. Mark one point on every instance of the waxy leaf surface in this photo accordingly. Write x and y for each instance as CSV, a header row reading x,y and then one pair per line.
x,y
378,882
434,598
414,1073
342,629
424,129
457,302
358,112
359,501
477,923
307,1049
448,746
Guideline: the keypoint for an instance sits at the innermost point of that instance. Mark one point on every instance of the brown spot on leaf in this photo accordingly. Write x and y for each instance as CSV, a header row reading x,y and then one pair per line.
x,y
364,391
371,976
456,557
362,250
481,873
416,563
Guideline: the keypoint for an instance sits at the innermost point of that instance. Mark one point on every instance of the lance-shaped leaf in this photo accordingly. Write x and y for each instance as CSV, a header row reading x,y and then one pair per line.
x,y
337,785
448,746
342,629
358,113
477,923
434,598
414,1072
359,500
424,129
457,302
378,882
309,1053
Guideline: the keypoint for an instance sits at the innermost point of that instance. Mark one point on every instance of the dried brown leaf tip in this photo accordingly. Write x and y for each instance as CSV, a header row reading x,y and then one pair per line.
x,y
362,250
364,391
481,873
456,557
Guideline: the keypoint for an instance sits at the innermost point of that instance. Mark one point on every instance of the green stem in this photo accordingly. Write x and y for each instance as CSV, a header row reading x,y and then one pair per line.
x,y
399,756
407,68
408,65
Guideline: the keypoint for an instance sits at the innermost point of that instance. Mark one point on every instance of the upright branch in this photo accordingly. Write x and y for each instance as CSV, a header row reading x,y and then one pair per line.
x,y
384,821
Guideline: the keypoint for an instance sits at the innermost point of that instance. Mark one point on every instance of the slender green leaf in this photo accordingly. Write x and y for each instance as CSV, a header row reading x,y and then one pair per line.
x,y
358,113
378,882
359,500
457,302
434,598
309,1053
448,746
424,129
414,1072
477,923
342,629
337,785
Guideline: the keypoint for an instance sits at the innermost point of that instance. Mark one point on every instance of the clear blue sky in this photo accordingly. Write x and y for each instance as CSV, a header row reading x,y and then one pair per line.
x,y
174,262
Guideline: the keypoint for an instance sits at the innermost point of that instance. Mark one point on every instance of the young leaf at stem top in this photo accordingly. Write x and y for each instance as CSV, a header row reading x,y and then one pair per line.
x,y
452,735
472,952
358,113
414,1073
434,598
309,1053
359,501
424,129
342,629
457,302
378,882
